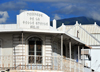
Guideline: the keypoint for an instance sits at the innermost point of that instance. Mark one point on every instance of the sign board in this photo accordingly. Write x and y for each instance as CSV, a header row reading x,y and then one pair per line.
x,y
33,20
85,51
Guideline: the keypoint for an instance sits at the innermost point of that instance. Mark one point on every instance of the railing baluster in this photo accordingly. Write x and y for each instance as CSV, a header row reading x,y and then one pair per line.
x,y
58,62
46,63
20,66
42,62
3,65
36,63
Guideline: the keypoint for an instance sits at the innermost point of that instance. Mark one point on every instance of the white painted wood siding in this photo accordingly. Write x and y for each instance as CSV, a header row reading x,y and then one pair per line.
x,y
19,49
48,50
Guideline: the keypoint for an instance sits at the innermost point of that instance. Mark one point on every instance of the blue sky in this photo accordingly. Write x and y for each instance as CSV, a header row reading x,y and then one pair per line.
x,y
56,9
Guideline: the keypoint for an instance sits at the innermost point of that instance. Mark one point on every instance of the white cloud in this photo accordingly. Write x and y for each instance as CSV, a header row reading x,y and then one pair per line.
x,y
74,7
94,15
4,17
64,7
45,0
57,17
12,5
22,10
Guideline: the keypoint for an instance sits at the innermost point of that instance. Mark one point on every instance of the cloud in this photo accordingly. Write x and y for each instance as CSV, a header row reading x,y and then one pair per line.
x,y
57,17
95,15
80,9
22,10
12,6
4,15
73,7
45,0
64,1
88,8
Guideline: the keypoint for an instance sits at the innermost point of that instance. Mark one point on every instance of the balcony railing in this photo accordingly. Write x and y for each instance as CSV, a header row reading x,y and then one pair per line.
x,y
70,65
30,62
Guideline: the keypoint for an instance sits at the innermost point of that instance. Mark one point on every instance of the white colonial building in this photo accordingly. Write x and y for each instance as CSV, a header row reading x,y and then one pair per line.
x,y
90,34
33,45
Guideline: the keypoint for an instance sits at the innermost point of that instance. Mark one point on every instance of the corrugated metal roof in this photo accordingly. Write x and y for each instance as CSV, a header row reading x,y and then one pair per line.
x,y
83,35
84,32
76,39
68,27
91,28
60,28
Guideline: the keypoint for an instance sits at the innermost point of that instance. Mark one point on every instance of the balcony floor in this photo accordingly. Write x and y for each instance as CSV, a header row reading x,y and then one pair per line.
x,y
35,71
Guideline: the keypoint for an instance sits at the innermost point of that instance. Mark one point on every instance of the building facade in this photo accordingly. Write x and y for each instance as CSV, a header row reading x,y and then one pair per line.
x,y
90,34
33,45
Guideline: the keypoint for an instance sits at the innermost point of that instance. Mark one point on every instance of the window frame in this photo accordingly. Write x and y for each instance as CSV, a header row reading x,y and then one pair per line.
x,y
35,50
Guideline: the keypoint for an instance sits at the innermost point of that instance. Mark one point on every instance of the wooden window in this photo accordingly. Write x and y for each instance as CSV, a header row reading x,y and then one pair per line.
x,y
35,50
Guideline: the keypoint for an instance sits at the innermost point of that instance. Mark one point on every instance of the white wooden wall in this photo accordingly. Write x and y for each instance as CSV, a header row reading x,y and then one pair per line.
x,y
19,49
48,50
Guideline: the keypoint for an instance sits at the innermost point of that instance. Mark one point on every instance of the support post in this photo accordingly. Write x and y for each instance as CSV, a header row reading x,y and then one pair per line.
x,y
70,54
62,50
78,59
90,60
22,49
83,58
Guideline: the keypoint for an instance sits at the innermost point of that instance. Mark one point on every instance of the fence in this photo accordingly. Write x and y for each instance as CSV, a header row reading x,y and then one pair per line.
x,y
31,62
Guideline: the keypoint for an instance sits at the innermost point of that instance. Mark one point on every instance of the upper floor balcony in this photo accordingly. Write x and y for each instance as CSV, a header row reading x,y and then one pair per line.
x,y
39,63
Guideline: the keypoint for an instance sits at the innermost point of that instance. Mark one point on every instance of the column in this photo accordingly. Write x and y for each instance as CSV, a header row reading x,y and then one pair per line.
x,y
83,57
22,49
62,51
78,58
90,60
70,54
